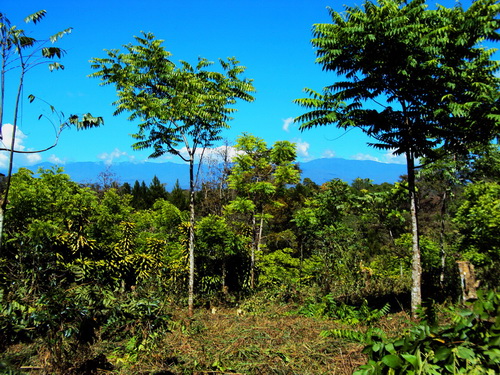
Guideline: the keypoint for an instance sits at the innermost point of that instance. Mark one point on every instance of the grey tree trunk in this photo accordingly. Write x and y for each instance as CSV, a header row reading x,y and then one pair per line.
x,y
442,239
259,240
191,237
252,253
416,267
1,224
11,151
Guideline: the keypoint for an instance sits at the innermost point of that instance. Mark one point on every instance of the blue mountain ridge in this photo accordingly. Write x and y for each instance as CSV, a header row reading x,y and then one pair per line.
x,y
318,170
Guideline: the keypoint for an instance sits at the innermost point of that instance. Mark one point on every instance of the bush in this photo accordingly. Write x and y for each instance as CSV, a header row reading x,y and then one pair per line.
x,y
469,344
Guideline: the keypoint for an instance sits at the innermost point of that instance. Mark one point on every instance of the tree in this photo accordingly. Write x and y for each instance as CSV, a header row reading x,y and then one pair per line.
x,y
21,53
125,189
485,166
178,198
419,81
139,192
156,190
259,173
326,229
186,105
222,262
478,220
107,179
214,193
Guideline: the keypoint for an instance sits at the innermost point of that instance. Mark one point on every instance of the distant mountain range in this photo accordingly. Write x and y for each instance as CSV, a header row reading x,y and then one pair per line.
x,y
318,170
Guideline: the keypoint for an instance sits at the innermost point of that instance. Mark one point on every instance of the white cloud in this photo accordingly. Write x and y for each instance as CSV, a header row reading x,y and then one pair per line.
x,y
302,149
114,155
365,157
287,122
222,152
389,157
55,160
328,154
212,154
33,158
20,159
4,159
7,137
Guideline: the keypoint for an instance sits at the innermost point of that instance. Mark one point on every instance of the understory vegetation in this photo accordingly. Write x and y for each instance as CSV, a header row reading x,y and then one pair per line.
x,y
95,282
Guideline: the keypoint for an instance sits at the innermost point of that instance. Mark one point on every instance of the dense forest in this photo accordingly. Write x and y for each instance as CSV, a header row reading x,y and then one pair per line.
x,y
114,278
83,265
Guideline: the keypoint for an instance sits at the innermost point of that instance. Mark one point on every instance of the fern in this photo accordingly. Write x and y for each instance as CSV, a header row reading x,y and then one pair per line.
x,y
347,334
378,314
372,337
469,344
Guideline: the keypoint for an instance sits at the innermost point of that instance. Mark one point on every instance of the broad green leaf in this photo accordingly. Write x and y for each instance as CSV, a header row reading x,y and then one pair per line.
x,y
377,346
392,360
390,348
412,359
493,354
442,353
465,353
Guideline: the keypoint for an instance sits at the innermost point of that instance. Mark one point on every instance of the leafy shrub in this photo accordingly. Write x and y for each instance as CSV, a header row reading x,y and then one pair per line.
x,y
469,344
281,267
329,307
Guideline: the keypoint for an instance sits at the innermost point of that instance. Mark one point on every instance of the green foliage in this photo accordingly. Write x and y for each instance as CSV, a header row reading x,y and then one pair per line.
x,y
107,216
172,102
469,344
426,70
258,171
140,195
161,221
186,105
334,225
222,262
479,222
485,165
328,307
178,197
418,81
282,268
16,41
259,176
430,251
143,196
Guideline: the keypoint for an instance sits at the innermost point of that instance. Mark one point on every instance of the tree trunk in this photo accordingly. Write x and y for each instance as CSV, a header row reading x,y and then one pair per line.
x,y
441,239
252,253
416,267
259,240
11,151
2,215
191,236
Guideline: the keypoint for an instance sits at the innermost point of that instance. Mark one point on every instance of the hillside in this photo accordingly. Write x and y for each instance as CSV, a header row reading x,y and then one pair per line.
x,y
318,170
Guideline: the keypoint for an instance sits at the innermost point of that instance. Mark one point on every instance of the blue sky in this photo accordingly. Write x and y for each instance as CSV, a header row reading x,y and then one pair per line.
x,y
270,37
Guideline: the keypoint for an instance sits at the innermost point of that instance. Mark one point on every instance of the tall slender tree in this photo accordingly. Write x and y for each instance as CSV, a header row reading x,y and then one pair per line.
x,y
419,81
178,197
156,190
186,105
19,53
259,173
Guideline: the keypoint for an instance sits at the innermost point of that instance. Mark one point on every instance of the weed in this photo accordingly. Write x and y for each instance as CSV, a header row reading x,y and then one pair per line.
x,y
469,344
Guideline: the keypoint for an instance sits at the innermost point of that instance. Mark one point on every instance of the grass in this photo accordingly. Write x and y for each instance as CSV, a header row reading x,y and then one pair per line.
x,y
272,340
267,338
259,344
